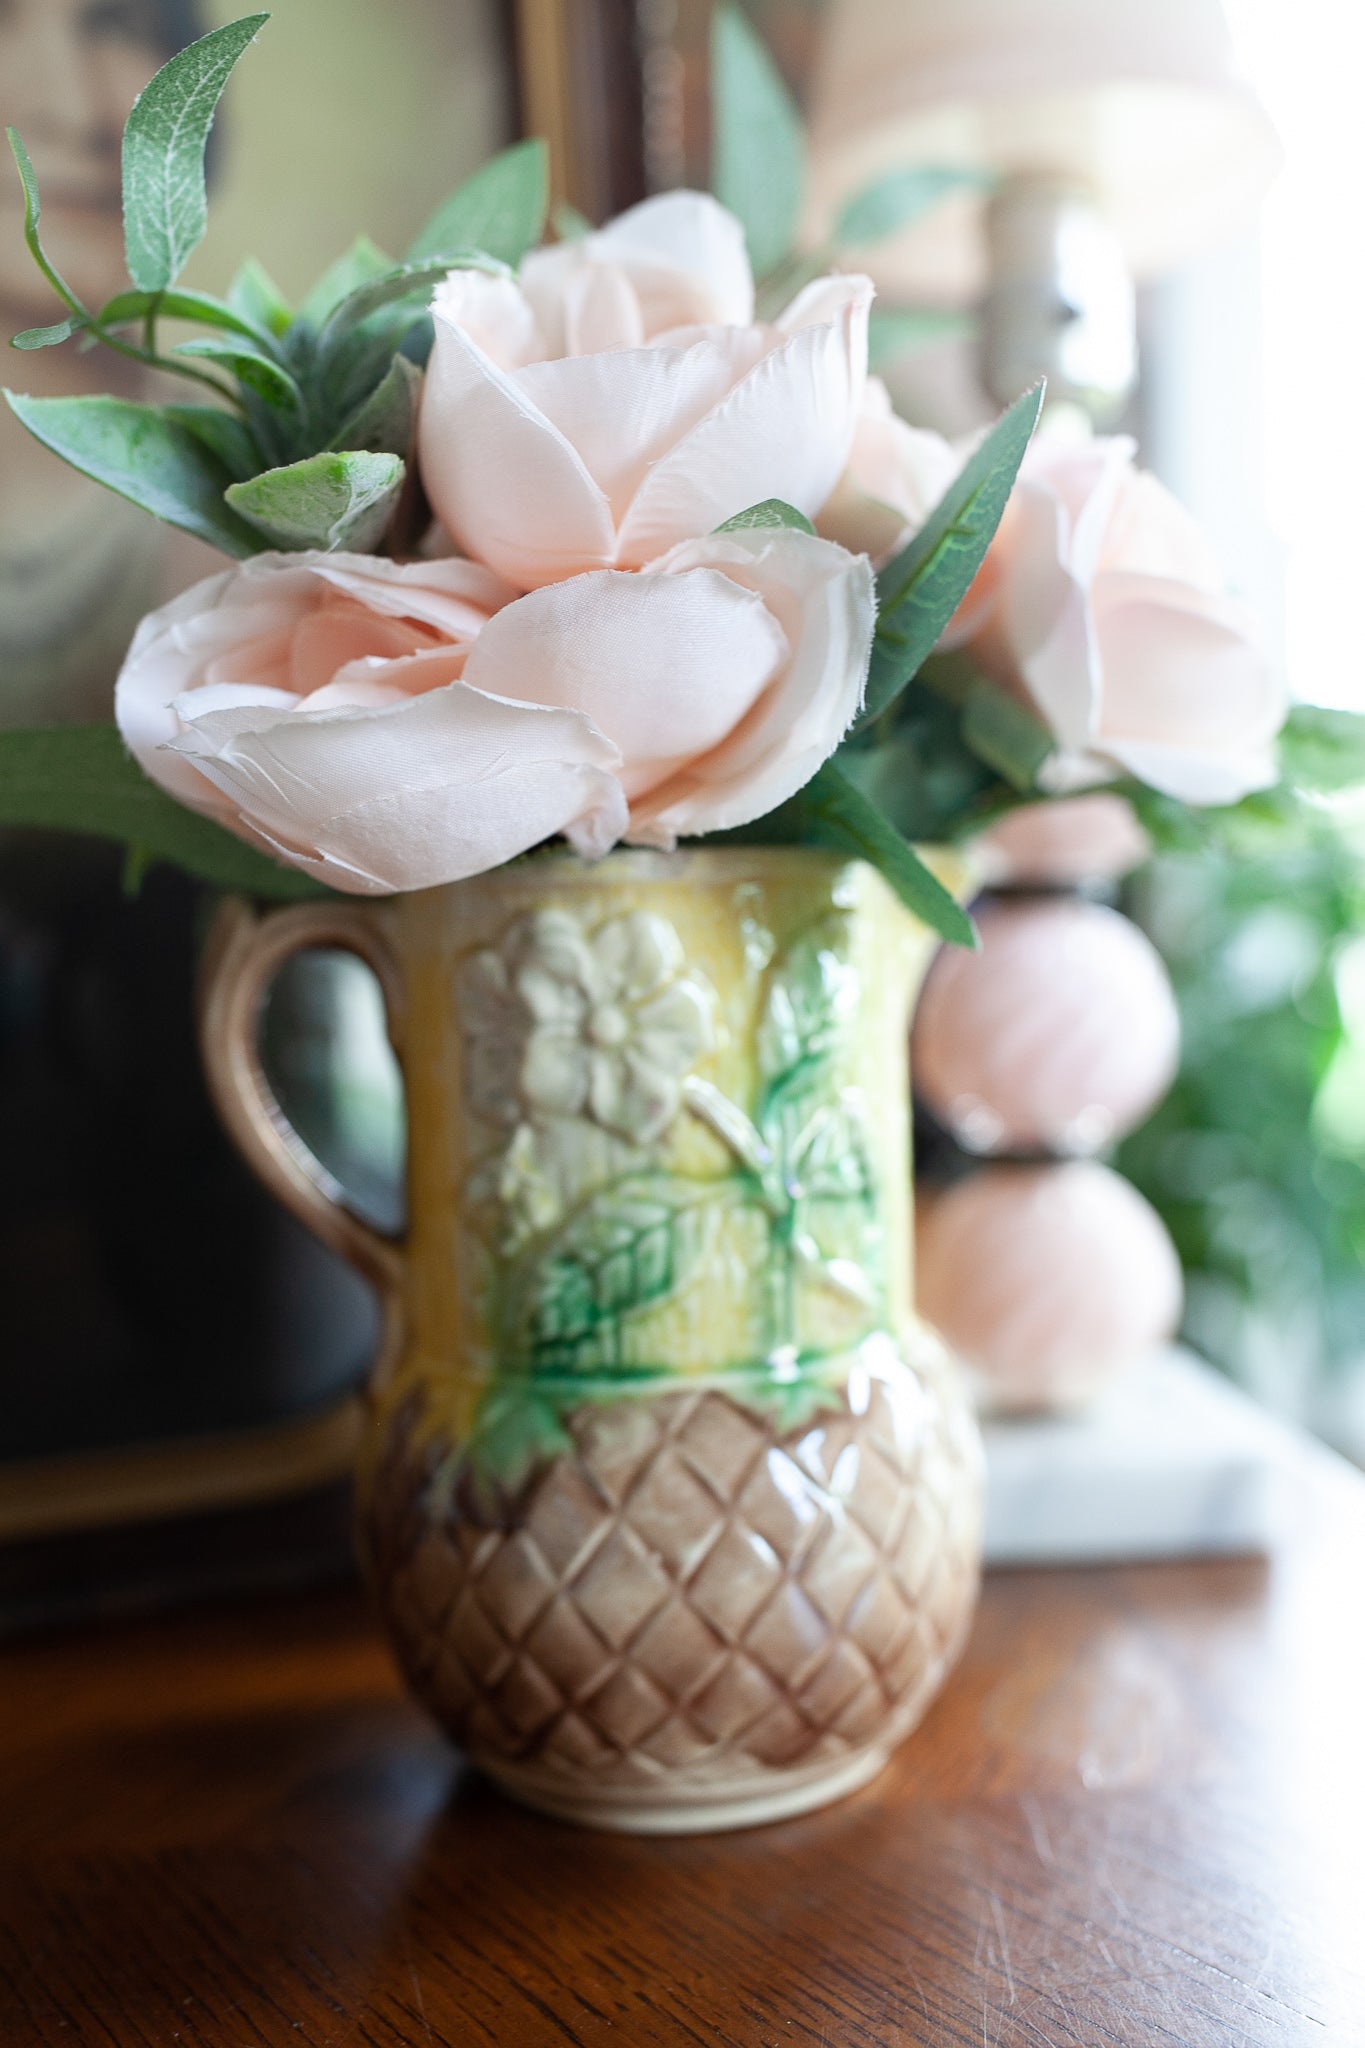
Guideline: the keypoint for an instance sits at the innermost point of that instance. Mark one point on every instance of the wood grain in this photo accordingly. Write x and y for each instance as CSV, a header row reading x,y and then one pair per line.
x,y
1136,1816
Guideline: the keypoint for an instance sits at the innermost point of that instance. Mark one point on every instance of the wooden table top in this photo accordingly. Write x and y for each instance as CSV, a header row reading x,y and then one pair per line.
x,y
1136,1816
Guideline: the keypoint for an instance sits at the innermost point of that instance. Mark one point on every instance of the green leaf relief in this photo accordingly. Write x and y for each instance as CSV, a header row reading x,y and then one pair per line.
x,y
328,501
758,166
771,512
146,455
921,589
500,209
165,202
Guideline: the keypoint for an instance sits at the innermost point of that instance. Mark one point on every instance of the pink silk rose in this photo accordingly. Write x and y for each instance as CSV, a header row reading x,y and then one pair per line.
x,y
1099,602
618,397
895,476
1102,601
388,727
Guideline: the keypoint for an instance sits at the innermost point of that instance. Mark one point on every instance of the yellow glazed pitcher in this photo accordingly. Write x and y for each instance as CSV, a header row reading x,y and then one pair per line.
x,y
672,1507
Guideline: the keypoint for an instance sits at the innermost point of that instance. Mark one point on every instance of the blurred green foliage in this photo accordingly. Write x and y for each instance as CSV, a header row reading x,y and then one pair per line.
x,y
1256,1159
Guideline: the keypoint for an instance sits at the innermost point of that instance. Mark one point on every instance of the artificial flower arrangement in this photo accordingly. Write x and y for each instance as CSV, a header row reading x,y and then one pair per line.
x,y
537,551
562,542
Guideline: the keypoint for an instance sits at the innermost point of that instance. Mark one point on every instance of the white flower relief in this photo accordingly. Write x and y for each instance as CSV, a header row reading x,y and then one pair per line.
x,y
560,1023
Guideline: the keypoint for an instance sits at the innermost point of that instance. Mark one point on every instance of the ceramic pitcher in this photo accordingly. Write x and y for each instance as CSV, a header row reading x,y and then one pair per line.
x,y
672,1507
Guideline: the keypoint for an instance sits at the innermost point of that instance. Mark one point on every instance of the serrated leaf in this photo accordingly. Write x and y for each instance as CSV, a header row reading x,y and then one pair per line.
x,y
129,308
501,209
145,456
80,778
843,818
895,331
758,161
48,337
165,202
362,261
1005,734
252,368
383,423
771,512
920,590
900,198
255,295
329,501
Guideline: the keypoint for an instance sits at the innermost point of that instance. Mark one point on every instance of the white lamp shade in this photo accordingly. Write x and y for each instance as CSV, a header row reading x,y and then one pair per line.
x,y
1139,101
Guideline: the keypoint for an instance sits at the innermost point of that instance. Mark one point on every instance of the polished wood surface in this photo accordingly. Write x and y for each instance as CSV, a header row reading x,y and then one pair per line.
x,y
1136,1816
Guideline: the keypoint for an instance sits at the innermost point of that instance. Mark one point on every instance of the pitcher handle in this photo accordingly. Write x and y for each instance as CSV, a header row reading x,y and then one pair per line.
x,y
243,955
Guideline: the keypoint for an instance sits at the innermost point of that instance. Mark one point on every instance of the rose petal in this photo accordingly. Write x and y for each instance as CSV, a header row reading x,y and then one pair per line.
x,y
505,482
623,410
687,258
667,667
784,431
825,601
496,315
436,788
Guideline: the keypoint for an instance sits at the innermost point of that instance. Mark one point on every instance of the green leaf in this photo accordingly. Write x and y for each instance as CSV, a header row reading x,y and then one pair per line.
x,y
1004,734
895,331
500,210
253,369
28,179
362,261
254,294
758,165
48,337
79,778
130,308
222,433
921,589
383,423
900,198
144,455
165,203
568,223
407,281
771,512
1323,752
329,501
842,817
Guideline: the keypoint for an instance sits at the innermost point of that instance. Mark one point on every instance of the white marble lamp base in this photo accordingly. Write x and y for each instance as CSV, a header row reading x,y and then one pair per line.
x,y
1170,1461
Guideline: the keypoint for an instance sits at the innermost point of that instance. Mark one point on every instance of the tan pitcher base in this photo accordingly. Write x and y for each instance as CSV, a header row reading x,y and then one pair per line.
x,y
698,1616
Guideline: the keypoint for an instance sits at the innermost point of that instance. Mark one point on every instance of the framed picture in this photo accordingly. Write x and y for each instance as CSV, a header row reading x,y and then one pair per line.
x,y
171,1344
